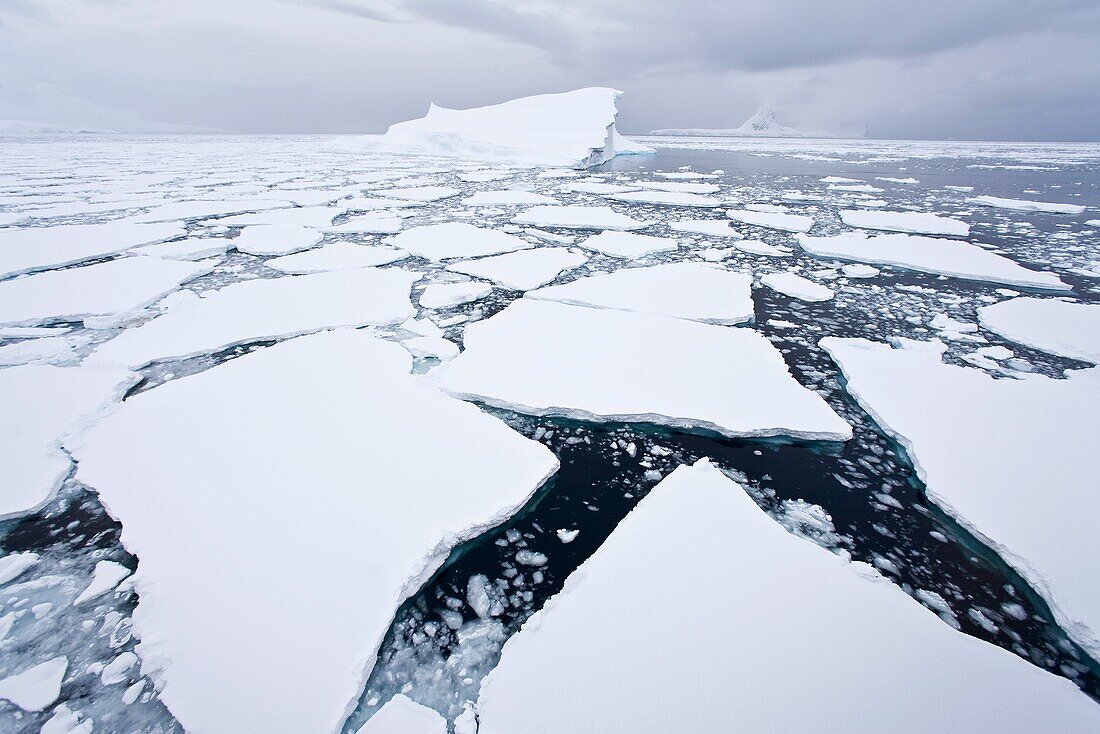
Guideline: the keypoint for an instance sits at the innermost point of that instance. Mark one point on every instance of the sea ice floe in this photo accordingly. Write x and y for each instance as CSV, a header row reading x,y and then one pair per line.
x,y
420,193
507,198
772,220
192,248
891,179
47,350
204,209
686,188
275,239
106,576
523,270
113,287
37,687
593,187
39,406
579,217
265,309
313,217
337,256
13,565
684,290
667,198
485,176
371,203
795,286
402,715
1047,324
39,248
628,245
452,240
757,247
911,222
547,358
930,255
709,227
1024,205
326,440
431,346
787,637
367,224
444,295
1010,459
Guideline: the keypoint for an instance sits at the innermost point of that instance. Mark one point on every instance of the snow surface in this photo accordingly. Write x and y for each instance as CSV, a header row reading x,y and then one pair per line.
x,y
369,224
507,198
402,715
1012,459
1024,205
579,217
265,309
456,240
1049,325
326,440
628,245
444,295
647,637
709,227
113,287
575,129
930,255
309,216
683,290
523,270
192,248
772,220
276,239
421,193
912,222
337,256
37,687
795,286
668,198
39,405
38,248
546,358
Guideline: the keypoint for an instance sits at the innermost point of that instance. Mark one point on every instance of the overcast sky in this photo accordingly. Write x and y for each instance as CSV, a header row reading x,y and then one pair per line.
x,y
977,69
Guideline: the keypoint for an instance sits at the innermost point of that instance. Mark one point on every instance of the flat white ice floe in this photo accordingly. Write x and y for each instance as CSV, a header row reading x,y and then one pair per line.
x,y
38,248
756,247
523,270
507,198
546,358
326,440
772,220
421,193
204,209
575,129
367,225
40,405
795,286
709,227
912,222
667,198
628,245
452,240
300,216
1014,460
1049,325
930,255
265,309
37,687
337,256
684,290
444,295
276,239
402,715
106,576
1024,205
192,248
786,638
579,217
113,287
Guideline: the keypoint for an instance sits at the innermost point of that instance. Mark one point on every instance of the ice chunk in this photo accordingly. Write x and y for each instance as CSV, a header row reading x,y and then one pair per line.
x,y
709,227
114,287
117,670
891,179
326,439
402,715
579,217
913,222
668,198
39,248
756,247
788,637
688,188
507,198
571,129
265,309
106,576
66,721
524,270
930,255
684,290
771,220
311,217
1049,325
367,225
13,565
1024,205
443,295
859,271
456,240
39,405
546,358
628,245
337,256
977,441
567,536
276,239
35,688
795,286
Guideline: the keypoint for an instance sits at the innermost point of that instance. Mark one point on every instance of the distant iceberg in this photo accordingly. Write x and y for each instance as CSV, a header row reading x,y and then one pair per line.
x,y
575,129
763,124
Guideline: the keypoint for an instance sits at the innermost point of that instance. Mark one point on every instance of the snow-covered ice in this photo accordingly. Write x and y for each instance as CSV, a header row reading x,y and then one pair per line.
x,y
523,270
547,358
192,248
106,576
628,245
930,255
1011,459
444,295
276,239
401,715
667,198
39,248
683,290
1048,324
507,198
337,256
456,240
326,440
646,637
265,309
709,227
579,217
37,687
421,193
772,220
911,222
1024,205
368,224
795,286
